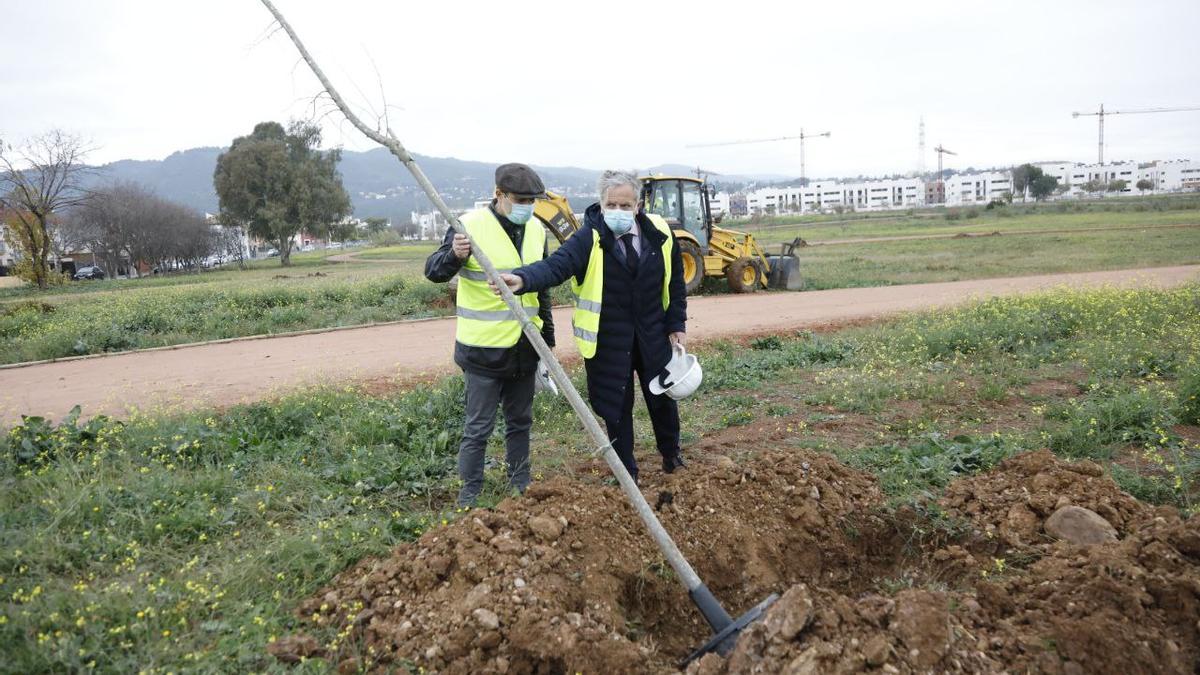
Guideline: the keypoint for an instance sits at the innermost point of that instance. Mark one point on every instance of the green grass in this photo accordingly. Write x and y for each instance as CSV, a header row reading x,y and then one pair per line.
x,y
152,317
414,252
261,270
1122,212
385,284
185,542
919,261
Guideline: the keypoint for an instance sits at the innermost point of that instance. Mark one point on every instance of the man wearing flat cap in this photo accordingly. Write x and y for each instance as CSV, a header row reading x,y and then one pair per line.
x,y
498,361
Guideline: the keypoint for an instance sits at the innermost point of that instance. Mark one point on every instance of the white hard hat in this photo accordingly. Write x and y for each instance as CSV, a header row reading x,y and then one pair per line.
x,y
681,378
542,380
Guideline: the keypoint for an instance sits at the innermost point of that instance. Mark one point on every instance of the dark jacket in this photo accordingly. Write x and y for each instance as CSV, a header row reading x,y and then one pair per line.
x,y
631,306
516,361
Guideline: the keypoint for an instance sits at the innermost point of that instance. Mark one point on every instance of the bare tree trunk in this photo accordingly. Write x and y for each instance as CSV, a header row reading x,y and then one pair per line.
x,y
591,425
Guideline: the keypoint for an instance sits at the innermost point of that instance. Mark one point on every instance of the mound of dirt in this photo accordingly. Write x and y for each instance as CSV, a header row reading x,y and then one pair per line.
x,y
566,580
1013,502
1129,606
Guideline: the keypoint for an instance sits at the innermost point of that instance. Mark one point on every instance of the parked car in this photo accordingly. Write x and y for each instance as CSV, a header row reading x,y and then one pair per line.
x,y
271,253
335,244
89,272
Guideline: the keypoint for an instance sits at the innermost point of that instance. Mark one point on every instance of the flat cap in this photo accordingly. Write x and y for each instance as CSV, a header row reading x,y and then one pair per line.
x,y
519,180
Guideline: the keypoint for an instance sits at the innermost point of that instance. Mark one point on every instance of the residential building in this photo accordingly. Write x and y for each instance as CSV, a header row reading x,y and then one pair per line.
x,y
718,204
7,255
830,194
977,188
432,225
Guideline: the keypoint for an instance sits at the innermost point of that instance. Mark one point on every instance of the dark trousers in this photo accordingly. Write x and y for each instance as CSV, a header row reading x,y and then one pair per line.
x,y
664,416
515,396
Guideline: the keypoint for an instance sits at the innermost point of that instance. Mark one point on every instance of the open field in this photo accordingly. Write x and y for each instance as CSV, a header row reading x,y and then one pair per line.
x,y
1123,212
189,542
385,284
244,371
920,261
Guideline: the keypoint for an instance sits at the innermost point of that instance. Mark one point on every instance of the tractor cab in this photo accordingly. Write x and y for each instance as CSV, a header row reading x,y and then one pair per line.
x,y
682,202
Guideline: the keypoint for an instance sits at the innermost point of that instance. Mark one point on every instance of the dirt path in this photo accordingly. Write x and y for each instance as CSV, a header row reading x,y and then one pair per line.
x,y
247,370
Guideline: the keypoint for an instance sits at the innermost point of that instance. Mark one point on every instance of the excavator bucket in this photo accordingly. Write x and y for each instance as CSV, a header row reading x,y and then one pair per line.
x,y
555,213
785,267
785,273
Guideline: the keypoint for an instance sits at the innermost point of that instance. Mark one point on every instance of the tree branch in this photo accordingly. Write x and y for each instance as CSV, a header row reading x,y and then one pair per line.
x,y
681,566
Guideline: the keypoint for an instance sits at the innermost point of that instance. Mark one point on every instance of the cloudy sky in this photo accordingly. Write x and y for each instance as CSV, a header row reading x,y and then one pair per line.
x,y
631,84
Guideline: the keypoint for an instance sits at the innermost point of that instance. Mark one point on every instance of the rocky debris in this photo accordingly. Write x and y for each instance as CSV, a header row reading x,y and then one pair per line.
x,y
546,528
486,618
1080,526
1011,503
791,614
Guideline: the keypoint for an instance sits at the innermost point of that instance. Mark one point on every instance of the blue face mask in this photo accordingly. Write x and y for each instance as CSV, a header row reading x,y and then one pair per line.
x,y
619,221
521,213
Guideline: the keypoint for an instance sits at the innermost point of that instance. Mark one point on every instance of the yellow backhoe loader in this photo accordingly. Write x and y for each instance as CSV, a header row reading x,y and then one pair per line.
x,y
705,248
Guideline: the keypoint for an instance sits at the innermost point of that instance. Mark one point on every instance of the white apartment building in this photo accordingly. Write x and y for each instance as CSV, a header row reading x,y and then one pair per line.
x,y
718,204
1165,176
431,225
821,195
6,252
977,188
1180,174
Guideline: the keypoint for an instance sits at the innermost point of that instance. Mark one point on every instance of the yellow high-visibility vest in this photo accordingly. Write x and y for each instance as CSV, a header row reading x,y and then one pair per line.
x,y
589,295
483,318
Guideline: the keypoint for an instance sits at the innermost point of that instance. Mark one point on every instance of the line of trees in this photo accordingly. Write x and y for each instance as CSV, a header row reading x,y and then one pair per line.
x,y
272,184
126,225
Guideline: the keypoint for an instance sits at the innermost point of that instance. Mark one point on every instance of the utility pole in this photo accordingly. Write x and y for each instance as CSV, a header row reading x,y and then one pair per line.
x,y
921,150
1099,114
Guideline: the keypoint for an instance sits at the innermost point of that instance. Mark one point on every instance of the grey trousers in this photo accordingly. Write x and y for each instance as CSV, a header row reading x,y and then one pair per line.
x,y
483,395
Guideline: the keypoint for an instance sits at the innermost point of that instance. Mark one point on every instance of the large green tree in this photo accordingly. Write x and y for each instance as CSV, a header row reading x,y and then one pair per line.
x,y
1024,178
276,182
1043,186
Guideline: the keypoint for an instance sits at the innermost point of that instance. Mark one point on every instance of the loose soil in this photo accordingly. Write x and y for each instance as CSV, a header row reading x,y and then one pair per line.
x,y
565,579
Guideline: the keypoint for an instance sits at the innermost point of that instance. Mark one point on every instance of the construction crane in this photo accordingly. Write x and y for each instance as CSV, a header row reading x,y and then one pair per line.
x,y
801,138
1137,111
941,179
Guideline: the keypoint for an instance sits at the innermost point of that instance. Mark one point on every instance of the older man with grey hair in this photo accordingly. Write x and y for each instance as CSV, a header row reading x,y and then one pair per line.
x,y
630,309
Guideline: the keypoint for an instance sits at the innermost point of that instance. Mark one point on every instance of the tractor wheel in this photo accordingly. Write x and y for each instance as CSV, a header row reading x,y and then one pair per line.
x,y
744,275
693,265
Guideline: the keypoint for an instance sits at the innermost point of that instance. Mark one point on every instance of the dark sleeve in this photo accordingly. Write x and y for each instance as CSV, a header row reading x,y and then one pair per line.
x,y
544,310
442,264
677,309
570,260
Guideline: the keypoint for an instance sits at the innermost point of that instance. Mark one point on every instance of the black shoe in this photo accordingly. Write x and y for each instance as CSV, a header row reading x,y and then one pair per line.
x,y
673,462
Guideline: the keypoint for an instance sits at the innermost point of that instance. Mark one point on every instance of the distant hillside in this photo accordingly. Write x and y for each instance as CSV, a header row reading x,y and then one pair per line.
x,y
377,183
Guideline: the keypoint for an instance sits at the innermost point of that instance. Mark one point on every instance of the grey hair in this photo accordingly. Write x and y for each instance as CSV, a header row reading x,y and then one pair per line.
x,y
615,178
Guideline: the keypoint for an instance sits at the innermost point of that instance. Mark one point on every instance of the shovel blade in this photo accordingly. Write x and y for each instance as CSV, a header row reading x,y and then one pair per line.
x,y
724,640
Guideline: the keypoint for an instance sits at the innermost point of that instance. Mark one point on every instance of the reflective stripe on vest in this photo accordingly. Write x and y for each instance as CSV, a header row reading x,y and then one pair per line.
x,y
483,318
589,295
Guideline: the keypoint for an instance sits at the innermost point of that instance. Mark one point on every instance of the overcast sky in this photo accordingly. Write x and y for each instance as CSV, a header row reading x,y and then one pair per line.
x,y
620,84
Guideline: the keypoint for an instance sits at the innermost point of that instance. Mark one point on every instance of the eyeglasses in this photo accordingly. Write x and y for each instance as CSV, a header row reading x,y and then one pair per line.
x,y
520,200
